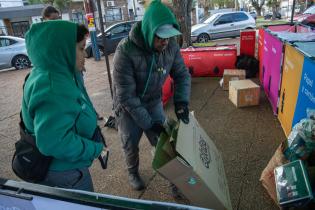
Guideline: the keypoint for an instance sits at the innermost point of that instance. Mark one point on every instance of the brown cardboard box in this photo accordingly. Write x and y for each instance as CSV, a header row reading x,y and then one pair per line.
x,y
231,75
244,93
196,168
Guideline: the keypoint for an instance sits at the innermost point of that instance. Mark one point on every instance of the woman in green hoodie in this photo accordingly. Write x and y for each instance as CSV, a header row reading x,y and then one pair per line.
x,y
56,109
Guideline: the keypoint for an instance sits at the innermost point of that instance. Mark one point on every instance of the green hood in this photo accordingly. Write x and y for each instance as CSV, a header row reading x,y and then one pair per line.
x,y
50,50
156,15
55,106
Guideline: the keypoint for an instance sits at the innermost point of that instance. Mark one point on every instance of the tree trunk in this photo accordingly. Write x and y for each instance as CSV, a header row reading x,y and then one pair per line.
x,y
206,11
70,10
258,10
182,10
258,5
274,12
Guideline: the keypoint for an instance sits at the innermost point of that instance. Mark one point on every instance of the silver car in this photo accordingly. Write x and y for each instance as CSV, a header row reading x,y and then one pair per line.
x,y
222,25
13,53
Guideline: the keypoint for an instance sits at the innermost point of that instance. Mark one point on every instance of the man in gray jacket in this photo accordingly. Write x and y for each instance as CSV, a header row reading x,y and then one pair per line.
x,y
142,62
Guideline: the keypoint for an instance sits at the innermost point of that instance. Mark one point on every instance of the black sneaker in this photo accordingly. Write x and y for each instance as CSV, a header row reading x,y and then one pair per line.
x,y
135,181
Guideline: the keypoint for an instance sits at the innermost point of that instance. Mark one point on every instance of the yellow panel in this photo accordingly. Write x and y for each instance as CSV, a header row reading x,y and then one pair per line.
x,y
291,77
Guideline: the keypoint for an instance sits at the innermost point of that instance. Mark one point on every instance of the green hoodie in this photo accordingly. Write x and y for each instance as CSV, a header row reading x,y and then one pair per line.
x,y
56,109
156,15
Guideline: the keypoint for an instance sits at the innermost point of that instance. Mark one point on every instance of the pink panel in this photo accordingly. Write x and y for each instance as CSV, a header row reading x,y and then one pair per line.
x,y
276,47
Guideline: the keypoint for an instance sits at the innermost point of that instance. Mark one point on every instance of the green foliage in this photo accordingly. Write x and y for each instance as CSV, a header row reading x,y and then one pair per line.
x,y
60,4
273,3
34,1
51,2
211,4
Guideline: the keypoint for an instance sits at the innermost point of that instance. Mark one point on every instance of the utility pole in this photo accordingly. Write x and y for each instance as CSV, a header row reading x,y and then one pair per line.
x,y
88,7
292,12
134,9
104,45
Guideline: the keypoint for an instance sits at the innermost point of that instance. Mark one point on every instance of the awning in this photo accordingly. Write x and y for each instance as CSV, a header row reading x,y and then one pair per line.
x,y
21,11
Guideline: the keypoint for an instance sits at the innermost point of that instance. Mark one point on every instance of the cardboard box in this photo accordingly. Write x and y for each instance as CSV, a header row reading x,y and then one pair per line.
x,y
292,184
231,75
196,167
244,93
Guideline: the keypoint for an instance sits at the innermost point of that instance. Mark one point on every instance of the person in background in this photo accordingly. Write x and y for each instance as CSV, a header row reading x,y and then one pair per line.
x,y
142,63
50,13
56,108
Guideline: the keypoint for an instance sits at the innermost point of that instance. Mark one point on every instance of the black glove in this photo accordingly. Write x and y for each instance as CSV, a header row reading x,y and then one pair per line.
x,y
98,137
182,112
157,128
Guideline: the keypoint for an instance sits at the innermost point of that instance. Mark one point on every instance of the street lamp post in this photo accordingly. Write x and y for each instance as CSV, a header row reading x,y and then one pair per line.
x,y
104,46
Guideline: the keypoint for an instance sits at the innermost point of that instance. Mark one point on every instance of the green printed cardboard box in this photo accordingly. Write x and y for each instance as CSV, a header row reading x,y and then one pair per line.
x,y
292,184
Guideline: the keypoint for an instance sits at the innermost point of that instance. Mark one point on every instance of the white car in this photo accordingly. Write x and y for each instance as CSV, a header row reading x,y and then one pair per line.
x,y
13,53
222,25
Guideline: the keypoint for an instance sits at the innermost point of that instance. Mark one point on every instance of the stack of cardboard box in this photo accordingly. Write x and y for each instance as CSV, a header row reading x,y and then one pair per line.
x,y
242,92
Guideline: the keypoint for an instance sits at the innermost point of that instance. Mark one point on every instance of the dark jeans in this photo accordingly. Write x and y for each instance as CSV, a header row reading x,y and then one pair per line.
x,y
79,179
130,134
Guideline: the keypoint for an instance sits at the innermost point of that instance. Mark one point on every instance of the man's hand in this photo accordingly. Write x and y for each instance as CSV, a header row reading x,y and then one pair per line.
x,y
157,128
182,112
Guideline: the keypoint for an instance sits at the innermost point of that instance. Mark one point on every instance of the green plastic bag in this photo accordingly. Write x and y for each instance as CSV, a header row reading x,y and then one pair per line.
x,y
165,149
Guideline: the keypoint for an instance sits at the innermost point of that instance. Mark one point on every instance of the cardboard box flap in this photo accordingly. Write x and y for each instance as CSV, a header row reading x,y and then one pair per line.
x,y
195,146
243,84
185,144
237,72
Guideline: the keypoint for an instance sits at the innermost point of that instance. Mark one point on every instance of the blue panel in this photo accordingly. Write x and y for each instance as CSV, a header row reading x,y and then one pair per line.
x,y
306,97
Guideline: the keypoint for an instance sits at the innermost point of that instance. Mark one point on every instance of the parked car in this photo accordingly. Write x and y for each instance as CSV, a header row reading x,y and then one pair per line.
x,y
113,35
253,14
308,12
222,25
13,53
269,16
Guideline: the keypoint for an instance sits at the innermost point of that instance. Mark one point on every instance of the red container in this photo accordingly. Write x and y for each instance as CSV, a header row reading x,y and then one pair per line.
x,y
209,61
167,90
248,42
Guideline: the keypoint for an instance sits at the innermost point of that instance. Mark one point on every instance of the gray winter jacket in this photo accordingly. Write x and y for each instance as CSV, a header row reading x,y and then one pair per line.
x,y
136,88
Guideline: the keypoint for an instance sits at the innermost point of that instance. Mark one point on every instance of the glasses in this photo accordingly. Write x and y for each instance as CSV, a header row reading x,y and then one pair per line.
x,y
161,39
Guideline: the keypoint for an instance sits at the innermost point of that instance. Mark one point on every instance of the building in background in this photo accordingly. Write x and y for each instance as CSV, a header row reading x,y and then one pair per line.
x,y
16,17
76,12
136,9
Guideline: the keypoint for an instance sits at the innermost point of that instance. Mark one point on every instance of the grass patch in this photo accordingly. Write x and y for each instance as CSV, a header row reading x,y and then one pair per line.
x,y
207,44
261,21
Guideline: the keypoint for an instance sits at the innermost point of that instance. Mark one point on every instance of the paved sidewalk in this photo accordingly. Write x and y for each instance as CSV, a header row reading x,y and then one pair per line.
x,y
246,137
